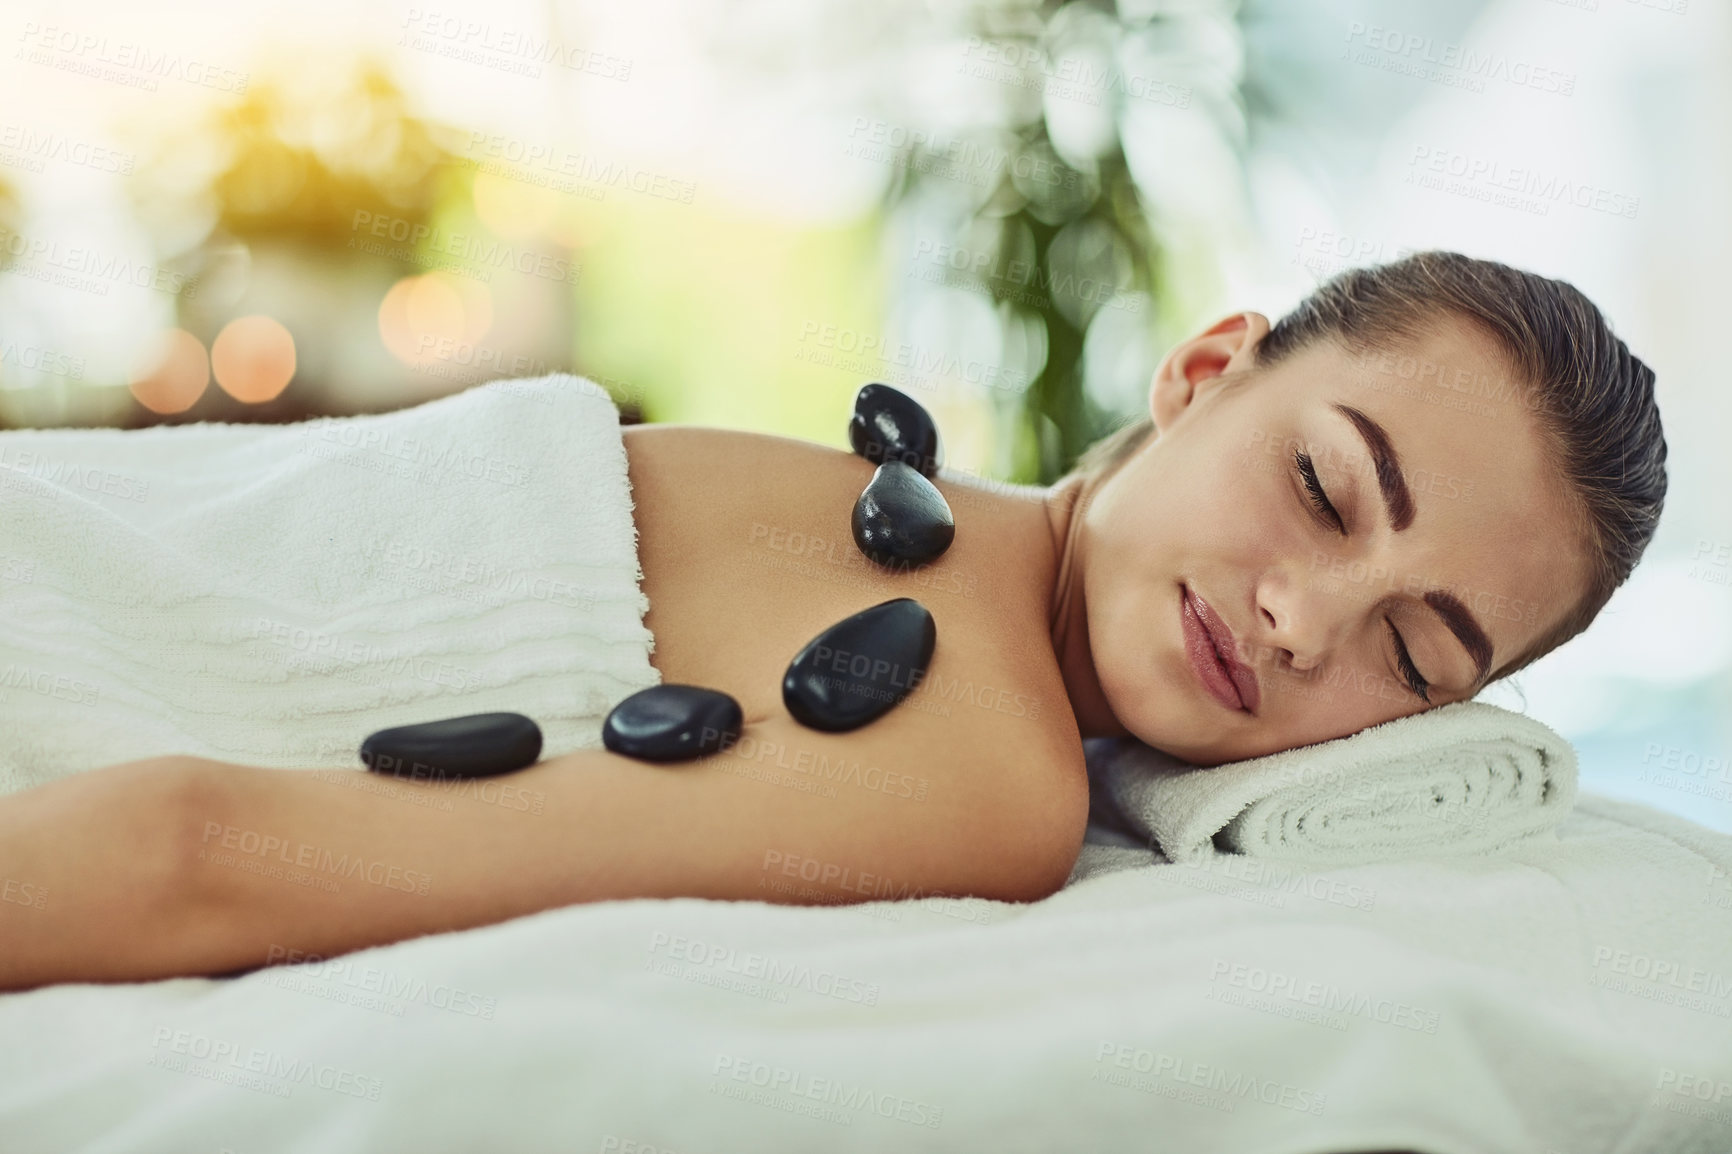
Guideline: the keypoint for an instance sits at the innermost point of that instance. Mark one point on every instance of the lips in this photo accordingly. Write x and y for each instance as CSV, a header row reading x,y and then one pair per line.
x,y
1210,645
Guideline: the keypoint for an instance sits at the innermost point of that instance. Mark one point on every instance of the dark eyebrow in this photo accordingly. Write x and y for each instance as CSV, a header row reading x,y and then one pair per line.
x,y
1396,498
1466,628
1398,501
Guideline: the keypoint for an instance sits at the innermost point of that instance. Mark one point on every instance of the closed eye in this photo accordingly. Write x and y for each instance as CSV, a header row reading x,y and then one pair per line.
x,y
1314,489
1325,513
1404,662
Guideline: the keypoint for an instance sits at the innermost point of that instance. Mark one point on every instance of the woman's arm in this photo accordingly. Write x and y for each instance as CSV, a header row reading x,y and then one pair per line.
x,y
185,866
88,865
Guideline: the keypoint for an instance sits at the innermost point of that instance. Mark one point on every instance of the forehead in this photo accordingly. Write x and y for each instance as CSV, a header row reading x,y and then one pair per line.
x,y
1492,519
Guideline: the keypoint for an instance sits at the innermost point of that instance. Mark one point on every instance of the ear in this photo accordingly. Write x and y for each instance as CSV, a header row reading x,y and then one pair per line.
x,y
1190,366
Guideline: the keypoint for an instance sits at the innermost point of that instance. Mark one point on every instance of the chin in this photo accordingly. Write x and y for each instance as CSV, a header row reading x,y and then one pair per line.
x,y
1190,754
1177,736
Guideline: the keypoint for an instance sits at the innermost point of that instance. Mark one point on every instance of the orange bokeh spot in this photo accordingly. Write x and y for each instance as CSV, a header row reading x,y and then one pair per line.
x,y
173,375
253,359
433,306
422,318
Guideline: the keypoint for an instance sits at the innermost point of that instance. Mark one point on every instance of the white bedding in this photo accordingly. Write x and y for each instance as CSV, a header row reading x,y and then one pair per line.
x,y
1570,995
1566,996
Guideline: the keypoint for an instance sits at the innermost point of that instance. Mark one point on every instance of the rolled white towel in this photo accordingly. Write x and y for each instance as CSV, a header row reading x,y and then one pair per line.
x,y
1464,778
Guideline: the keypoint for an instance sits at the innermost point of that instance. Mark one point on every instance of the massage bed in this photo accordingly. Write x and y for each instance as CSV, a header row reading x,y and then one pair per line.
x,y
1568,991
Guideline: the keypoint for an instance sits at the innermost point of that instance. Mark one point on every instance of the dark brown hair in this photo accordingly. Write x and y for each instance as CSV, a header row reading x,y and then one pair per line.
x,y
1593,398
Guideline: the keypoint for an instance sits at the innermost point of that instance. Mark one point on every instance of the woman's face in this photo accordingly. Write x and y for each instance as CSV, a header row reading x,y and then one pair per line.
x,y
1303,519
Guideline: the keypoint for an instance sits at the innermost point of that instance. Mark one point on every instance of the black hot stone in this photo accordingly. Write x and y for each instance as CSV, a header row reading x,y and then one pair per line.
x,y
858,669
672,723
479,745
902,517
888,425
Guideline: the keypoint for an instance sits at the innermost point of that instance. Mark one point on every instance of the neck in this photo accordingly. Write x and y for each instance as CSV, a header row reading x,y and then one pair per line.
x,y
1067,615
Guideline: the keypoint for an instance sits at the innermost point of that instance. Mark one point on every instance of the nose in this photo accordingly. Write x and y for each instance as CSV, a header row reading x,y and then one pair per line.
x,y
1298,621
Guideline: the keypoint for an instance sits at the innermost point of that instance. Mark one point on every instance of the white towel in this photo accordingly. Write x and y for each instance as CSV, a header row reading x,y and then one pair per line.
x,y
272,594
1571,995
1464,778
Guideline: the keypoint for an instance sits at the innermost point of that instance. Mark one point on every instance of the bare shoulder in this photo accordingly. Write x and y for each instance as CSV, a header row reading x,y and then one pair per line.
x,y
747,554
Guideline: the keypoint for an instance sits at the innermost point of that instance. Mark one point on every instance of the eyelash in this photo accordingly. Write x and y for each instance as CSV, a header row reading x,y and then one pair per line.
x,y
1404,660
1314,488
1326,512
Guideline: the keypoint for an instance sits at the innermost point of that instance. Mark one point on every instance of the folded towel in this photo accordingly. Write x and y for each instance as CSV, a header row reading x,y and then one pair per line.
x,y
1464,778
271,594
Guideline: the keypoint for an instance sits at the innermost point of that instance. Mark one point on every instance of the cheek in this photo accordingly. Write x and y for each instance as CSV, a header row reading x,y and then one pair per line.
x,y
1125,619
1356,694
1229,496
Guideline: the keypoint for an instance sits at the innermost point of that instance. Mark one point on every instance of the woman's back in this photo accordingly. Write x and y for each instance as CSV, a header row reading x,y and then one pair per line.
x,y
747,554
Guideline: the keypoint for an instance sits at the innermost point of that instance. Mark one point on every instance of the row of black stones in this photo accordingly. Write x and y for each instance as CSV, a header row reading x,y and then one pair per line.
x,y
849,675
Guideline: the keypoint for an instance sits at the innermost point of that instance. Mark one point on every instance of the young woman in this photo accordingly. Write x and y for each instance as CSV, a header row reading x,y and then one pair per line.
x,y
1427,476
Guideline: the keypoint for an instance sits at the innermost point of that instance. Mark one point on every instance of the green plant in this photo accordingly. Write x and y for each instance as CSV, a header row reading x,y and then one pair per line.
x,y
1057,238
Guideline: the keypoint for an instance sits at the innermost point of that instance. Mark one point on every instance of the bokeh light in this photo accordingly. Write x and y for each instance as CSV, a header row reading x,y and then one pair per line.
x,y
253,359
173,374
423,317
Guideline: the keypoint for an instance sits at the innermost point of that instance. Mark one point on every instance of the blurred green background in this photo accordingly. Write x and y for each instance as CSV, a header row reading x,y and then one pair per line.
x,y
320,235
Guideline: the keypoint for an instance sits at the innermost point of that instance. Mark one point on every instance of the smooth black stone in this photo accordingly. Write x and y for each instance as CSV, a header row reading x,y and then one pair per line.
x,y
672,723
858,669
479,745
902,517
889,425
